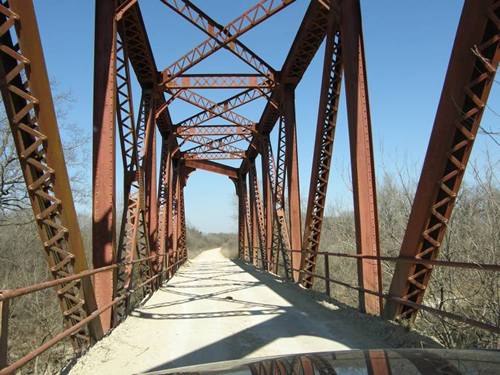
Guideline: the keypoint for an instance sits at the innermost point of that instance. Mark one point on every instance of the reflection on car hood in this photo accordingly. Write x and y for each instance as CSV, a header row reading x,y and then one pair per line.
x,y
370,362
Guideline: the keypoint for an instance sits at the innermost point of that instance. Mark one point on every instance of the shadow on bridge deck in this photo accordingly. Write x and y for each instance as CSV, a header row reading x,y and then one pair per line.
x,y
216,309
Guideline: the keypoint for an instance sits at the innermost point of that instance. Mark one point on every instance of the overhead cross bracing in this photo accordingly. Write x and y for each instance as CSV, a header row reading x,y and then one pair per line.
x,y
257,150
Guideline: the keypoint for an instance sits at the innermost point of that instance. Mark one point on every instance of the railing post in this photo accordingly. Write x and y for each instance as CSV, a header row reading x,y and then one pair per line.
x,y
4,332
327,275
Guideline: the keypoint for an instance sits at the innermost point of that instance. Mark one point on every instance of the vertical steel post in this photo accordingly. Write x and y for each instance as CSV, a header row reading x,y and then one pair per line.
x,y
175,224
103,187
248,221
170,215
471,72
362,165
150,175
292,173
267,199
163,201
257,205
253,224
241,217
4,333
323,149
149,167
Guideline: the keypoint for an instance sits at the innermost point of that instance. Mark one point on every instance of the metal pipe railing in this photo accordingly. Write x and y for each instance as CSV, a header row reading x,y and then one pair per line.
x,y
432,310
6,295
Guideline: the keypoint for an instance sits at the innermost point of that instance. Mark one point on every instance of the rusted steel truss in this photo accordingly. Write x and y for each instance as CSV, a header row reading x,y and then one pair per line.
x,y
134,238
30,111
219,81
471,73
219,38
325,132
213,29
153,223
277,173
255,197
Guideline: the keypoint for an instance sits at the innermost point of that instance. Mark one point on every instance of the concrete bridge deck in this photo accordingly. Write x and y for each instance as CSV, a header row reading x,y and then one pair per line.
x,y
216,309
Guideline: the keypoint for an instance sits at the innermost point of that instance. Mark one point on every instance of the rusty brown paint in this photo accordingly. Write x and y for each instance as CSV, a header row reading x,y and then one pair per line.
x,y
361,147
57,187
103,177
471,71
292,173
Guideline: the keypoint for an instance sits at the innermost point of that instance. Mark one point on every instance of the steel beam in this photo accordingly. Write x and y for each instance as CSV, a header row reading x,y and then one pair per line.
x,y
219,81
214,167
30,111
267,199
222,144
292,173
240,25
164,205
133,234
213,155
323,150
275,173
471,72
150,175
311,33
212,130
362,164
223,109
247,253
171,233
259,215
206,24
254,234
103,193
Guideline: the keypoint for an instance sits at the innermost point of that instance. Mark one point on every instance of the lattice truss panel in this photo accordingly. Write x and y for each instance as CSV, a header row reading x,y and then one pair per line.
x,y
31,142
469,113
322,158
133,242
199,138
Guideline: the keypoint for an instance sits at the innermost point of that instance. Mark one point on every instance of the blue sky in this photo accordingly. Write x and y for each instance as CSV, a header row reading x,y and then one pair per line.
x,y
407,45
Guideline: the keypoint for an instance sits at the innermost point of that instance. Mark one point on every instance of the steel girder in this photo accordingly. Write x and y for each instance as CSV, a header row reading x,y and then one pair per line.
x,y
219,81
323,150
259,215
134,237
215,155
362,163
223,109
248,220
280,241
471,72
212,130
104,158
241,218
208,145
267,200
206,24
311,33
214,167
164,204
292,174
30,111
245,22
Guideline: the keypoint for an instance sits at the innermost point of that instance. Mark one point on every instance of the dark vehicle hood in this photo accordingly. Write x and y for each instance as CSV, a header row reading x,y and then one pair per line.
x,y
376,362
